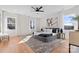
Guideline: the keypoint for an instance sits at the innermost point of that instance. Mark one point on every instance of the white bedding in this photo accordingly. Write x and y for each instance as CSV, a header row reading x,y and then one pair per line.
x,y
37,33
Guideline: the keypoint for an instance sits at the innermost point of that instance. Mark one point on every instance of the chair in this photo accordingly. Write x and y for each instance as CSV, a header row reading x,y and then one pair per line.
x,y
73,39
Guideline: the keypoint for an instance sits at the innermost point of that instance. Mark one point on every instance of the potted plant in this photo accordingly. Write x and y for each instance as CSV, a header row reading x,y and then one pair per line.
x,y
77,18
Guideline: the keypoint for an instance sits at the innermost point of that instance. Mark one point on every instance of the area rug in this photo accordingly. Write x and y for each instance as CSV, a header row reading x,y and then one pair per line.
x,y
42,47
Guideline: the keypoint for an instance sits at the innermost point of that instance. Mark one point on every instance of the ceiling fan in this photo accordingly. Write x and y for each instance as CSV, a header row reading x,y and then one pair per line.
x,y
38,9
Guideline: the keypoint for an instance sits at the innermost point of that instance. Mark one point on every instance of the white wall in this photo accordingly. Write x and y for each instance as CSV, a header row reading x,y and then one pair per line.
x,y
4,23
22,26
60,19
22,23
42,23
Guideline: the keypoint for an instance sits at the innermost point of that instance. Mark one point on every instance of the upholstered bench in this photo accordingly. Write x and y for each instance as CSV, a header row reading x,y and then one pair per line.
x,y
45,37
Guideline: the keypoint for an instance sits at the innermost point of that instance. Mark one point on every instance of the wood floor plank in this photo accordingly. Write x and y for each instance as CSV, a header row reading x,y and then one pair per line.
x,y
12,46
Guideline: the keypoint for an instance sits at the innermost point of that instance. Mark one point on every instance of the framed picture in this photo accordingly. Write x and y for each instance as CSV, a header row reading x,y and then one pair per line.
x,y
52,21
49,21
10,23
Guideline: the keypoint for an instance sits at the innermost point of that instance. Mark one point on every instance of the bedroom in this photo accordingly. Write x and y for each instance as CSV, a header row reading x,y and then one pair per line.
x,y
22,24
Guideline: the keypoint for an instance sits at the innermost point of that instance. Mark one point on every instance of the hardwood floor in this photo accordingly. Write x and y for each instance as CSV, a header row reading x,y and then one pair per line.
x,y
63,47
12,46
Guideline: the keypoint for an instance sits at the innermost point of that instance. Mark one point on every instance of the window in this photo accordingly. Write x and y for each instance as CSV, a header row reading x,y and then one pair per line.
x,y
32,24
10,23
68,23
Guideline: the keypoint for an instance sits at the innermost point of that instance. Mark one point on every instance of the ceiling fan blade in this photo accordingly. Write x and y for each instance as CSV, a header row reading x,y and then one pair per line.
x,y
33,8
40,7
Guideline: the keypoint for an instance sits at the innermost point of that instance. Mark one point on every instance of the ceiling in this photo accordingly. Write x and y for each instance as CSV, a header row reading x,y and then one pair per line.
x,y
27,10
